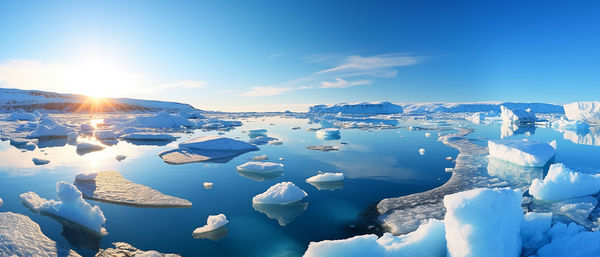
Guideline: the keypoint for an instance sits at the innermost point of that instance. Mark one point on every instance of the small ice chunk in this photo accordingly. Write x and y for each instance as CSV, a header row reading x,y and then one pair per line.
x,y
522,152
1,202
208,185
422,151
260,157
323,148
105,135
275,142
72,136
448,169
86,175
281,193
87,127
213,222
89,147
257,132
473,219
38,161
427,134
516,116
427,241
120,157
448,158
261,167
562,183
326,177
70,206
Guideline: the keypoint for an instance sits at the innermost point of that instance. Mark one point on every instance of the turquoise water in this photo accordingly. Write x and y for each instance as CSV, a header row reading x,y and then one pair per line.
x,y
377,164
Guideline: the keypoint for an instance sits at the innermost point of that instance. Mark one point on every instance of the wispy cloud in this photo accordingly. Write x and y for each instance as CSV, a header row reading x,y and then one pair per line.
x,y
362,68
342,83
376,62
87,78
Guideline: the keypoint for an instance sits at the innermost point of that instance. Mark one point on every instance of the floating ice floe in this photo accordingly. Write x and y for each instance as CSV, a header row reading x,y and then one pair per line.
x,y
522,152
21,236
328,134
562,183
70,206
261,167
326,177
120,157
72,136
208,185
47,127
516,116
87,127
583,111
323,148
422,151
212,223
23,143
262,140
281,193
87,147
1,202
275,142
110,186
149,136
38,161
21,115
105,135
260,157
209,148
162,119
483,211
427,241
124,249
257,132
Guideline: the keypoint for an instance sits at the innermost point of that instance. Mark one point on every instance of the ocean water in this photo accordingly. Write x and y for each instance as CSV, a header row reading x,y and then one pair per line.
x,y
377,163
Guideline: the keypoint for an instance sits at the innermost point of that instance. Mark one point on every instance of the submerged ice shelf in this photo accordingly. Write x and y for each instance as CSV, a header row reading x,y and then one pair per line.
x,y
110,186
404,214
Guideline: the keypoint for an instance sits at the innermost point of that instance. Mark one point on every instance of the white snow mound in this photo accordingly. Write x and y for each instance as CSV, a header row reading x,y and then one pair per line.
x,y
281,193
213,222
326,177
563,183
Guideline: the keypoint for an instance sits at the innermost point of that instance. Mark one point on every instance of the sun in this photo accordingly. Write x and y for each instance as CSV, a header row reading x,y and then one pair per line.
x,y
98,76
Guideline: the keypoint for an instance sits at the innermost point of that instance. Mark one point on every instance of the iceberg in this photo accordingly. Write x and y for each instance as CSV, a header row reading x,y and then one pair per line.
x,y
21,236
326,177
70,206
111,187
38,161
47,127
328,134
516,116
124,249
489,107
562,183
427,241
583,111
473,219
212,223
522,152
358,108
281,193
209,148
261,167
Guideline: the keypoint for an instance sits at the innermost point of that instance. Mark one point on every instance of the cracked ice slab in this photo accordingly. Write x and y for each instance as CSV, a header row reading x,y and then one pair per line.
x,y
404,214
126,250
110,186
21,236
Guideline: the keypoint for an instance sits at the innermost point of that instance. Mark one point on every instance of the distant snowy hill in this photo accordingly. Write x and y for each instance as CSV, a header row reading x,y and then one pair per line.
x,y
421,108
29,100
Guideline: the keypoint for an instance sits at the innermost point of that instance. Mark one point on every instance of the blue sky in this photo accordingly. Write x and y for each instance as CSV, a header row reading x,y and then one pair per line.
x,y
278,55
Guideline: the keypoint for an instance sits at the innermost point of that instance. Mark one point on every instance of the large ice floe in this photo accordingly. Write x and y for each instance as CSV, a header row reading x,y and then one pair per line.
x,y
357,108
516,116
522,152
583,111
326,177
427,241
126,250
213,222
21,236
562,183
110,186
281,193
70,206
209,148
261,167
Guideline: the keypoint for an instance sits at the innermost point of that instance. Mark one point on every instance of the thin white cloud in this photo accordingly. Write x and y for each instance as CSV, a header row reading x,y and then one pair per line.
x,y
358,63
99,78
267,91
342,83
